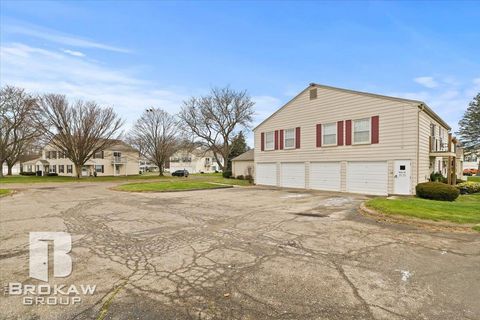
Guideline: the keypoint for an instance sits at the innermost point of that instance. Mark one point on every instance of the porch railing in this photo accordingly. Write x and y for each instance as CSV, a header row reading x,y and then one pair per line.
x,y
119,160
440,145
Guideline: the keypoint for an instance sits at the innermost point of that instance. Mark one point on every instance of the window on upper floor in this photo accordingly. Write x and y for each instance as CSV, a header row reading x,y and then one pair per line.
x,y
289,141
98,155
269,140
329,134
361,131
432,129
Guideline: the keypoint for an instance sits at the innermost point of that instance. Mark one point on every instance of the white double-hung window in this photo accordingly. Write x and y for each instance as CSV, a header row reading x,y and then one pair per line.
x,y
289,139
329,135
269,140
361,131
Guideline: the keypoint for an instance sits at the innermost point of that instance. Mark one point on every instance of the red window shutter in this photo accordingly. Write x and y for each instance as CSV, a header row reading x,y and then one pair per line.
x,y
348,132
375,129
319,135
281,139
297,138
276,139
262,141
340,133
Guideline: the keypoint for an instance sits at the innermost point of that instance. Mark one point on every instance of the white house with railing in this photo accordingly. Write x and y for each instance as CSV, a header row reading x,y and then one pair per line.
x,y
120,159
196,161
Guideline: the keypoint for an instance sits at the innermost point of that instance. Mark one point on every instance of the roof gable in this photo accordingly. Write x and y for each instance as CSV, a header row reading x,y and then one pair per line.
x,y
418,103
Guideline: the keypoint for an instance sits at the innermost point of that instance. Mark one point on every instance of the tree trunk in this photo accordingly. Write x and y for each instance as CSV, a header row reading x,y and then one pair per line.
x,y
160,171
9,171
78,170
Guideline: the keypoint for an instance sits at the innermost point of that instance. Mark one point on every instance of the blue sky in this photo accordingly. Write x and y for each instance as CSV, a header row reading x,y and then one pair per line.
x,y
134,54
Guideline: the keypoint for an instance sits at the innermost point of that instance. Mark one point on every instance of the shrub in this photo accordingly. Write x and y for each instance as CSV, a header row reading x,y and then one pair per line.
x,y
469,187
249,178
241,177
27,173
437,191
438,177
227,174
52,174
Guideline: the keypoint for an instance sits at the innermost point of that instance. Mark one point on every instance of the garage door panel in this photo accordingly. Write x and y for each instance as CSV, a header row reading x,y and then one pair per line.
x,y
266,174
367,177
292,175
325,176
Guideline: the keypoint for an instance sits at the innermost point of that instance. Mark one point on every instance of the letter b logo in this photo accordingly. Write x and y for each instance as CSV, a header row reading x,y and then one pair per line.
x,y
62,262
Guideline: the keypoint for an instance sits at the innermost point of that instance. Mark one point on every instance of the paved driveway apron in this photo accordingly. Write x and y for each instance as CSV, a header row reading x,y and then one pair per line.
x,y
241,253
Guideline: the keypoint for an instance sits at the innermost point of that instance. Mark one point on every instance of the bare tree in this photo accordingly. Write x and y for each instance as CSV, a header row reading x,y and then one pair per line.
x,y
18,111
155,134
214,119
78,129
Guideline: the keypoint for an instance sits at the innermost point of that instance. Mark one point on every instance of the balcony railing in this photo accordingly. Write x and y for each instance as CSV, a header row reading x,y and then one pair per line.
x,y
119,160
438,145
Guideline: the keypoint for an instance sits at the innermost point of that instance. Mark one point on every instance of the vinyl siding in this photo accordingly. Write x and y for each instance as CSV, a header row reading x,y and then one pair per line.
x,y
243,168
398,130
131,167
424,144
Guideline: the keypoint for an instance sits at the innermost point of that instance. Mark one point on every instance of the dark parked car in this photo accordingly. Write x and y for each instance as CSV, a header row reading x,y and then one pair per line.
x,y
180,173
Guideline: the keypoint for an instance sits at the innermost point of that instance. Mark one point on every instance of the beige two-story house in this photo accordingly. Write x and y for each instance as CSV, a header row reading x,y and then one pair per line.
x,y
335,139
120,159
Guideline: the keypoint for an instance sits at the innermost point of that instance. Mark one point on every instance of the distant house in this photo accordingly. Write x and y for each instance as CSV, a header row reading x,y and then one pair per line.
x,y
120,159
15,168
244,165
196,161
329,138
146,165
471,160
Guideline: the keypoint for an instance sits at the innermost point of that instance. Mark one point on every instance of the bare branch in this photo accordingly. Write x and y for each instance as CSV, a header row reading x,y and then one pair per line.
x,y
215,118
156,135
79,129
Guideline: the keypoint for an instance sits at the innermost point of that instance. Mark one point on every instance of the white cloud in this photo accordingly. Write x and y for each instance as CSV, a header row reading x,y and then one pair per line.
x,y
428,82
74,53
449,99
264,107
57,37
44,71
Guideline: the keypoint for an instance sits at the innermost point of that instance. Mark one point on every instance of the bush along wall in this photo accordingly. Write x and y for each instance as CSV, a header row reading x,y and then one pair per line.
x,y
437,191
468,187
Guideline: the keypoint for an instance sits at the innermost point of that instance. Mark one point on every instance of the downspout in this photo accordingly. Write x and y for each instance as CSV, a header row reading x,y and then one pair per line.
x,y
421,109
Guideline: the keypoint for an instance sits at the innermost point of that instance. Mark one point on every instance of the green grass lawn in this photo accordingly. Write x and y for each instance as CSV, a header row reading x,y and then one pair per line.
x,y
193,182
466,209
211,177
35,179
4,192
169,185
474,179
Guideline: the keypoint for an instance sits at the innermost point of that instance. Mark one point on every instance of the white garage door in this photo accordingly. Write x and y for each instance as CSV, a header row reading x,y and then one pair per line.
x,y
266,174
367,177
325,176
292,175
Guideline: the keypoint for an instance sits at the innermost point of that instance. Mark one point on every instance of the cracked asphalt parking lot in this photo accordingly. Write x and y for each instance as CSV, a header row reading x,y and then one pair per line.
x,y
240,253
